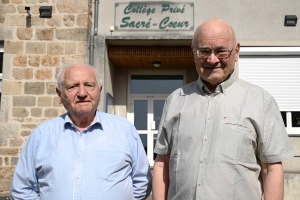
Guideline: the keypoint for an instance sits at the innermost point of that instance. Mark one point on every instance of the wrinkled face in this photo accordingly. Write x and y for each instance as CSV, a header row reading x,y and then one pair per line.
x,y
80,93
215,37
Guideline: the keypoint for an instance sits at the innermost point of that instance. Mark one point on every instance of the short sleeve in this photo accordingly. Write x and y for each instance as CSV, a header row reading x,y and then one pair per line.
x,y
274,144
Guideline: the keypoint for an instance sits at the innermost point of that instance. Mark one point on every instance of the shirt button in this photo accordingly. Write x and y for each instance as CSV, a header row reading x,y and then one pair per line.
x,y
208,118
78,177
199,184
80,155
205,139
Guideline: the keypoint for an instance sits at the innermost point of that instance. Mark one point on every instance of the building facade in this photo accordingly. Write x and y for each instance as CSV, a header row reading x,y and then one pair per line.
x,y
142,50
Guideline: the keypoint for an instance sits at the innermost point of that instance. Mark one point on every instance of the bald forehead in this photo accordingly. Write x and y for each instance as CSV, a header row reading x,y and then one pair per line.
x,y
215,29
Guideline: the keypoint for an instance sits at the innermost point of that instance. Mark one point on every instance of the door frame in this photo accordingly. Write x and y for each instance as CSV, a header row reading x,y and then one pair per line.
x,y
131,97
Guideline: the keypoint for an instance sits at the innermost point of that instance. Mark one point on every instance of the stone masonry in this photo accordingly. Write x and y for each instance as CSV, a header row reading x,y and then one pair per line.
x,y
32,57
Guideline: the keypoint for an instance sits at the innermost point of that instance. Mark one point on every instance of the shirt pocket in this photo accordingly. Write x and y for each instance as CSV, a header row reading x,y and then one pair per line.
x,y
233,139
111,165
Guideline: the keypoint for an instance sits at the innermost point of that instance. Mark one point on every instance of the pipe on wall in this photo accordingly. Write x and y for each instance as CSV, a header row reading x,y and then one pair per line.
x,y
93,34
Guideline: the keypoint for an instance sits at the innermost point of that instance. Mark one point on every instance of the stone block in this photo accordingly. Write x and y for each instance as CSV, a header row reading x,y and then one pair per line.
x,y
51,87
57,102
17,1
51,112
71,6
16,20
82,20
1,161
291,186
6,32
16,142
20,112
35,48
37,21
5,184
31,1
11,88
6,172
5,1
24,33
68,60
56,48
25,133
36,88
28,126
34,61
13,47
22,74
74,34
9,130
44,34
6,161
81,48
5,107
36,112
2,19
69,20
55,21
34,9
20,60
50,60
28,101
3,142
6,68
14,160
8,9
43,1
70,48
44,101
8,152
43,74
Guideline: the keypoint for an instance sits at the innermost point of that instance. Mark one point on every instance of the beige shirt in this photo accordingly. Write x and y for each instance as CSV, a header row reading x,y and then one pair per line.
x,y
216,141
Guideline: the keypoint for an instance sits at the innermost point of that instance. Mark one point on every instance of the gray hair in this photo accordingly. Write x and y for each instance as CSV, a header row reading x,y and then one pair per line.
x,y
60,75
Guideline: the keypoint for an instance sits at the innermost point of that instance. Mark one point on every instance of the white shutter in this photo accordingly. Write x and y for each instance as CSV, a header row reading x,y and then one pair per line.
x,y
278,74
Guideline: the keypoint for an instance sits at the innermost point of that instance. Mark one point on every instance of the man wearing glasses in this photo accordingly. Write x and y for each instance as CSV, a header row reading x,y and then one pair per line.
x,y
220,137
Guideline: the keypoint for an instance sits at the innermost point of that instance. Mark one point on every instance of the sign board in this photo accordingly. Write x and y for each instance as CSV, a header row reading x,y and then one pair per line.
x,y
154,16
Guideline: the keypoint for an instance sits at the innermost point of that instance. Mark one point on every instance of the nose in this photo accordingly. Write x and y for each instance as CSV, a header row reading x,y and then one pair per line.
x,y
212,58
81,91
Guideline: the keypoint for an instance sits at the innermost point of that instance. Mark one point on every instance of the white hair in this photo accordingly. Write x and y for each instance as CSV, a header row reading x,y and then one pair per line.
x,y
60,75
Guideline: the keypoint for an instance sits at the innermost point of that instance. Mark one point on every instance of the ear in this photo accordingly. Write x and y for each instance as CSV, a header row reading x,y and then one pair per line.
x,y
58,92
100,88
237,52
194,53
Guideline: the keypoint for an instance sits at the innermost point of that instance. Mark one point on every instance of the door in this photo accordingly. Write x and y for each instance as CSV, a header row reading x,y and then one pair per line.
x,y
147,95
146,114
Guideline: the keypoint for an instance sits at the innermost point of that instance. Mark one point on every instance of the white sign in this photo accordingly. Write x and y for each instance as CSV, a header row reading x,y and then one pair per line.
x,y
163,16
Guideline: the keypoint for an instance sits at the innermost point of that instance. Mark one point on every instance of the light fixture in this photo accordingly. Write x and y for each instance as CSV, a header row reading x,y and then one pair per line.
x,y
45,11
290,20
111,29
156,64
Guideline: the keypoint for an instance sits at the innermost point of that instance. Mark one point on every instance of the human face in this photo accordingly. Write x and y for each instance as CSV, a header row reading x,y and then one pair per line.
x,y
214,36
80,93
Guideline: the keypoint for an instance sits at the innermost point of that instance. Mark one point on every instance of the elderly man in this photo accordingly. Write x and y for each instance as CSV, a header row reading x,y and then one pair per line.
x,y
84,154
220,138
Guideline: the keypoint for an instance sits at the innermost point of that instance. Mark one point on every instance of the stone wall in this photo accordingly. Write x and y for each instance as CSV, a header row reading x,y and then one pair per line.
x,y
32,57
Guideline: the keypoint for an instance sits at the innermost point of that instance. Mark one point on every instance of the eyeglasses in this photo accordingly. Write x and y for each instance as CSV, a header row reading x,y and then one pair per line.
x,y
222,53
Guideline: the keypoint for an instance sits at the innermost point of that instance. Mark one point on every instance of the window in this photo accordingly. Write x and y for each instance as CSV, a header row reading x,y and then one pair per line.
x,y
263,66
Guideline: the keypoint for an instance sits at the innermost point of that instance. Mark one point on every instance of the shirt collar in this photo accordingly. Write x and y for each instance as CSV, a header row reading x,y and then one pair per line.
x,y
68,122
223,87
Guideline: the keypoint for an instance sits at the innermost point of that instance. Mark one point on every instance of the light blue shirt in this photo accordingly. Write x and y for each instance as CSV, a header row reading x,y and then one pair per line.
x,y
105,161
